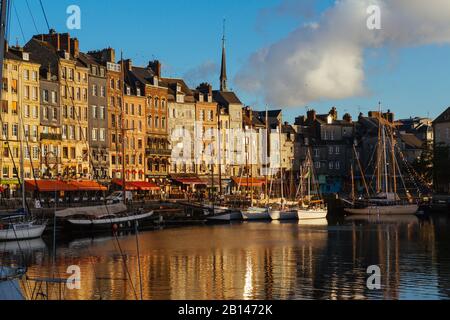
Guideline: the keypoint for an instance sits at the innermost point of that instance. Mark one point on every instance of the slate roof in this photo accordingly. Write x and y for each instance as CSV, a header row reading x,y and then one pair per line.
x,y
444,117
225,98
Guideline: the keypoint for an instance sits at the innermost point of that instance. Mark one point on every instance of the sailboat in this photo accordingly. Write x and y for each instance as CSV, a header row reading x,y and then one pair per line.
x,y
310,207
19,227
212,211
254,213
386,200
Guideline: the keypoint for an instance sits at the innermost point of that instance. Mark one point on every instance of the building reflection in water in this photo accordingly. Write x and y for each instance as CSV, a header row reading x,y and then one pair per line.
x,y
259,261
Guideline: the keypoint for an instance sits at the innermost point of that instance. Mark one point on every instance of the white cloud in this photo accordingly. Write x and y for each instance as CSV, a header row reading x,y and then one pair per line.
x,y
324,59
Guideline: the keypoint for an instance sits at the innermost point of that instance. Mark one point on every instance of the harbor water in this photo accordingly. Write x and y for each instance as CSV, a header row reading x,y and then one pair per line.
x,y
288,260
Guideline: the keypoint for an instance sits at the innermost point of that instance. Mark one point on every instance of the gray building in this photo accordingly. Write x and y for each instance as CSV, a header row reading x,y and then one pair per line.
x,y
330,142
97,118
50,121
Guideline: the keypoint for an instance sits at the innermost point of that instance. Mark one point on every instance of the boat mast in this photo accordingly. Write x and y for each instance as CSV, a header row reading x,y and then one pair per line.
x,y
250,158
219,127
281,164
123,132
267,162
353,183
386,180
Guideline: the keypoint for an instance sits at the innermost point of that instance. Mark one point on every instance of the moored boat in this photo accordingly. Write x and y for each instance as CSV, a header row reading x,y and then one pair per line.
x,y
21,230
114,217
256,213
283,214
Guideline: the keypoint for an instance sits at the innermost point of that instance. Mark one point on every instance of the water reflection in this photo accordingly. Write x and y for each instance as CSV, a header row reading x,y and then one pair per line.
x,y
306,260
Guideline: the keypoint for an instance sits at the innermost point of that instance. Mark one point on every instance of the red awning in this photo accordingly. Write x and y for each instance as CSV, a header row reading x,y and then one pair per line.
x,y
129,185
88,186
144,185
246,182
190,181
48,185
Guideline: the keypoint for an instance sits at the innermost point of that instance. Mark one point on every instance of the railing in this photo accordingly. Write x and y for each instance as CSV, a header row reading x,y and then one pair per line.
x,y
51,136
158,152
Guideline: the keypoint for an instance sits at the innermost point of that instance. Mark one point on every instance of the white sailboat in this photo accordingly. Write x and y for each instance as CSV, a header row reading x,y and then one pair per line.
x,y
309,208
387,200
20,227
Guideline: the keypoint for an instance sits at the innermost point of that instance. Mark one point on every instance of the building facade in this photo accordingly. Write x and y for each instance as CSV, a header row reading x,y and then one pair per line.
x,y
19,119
97,118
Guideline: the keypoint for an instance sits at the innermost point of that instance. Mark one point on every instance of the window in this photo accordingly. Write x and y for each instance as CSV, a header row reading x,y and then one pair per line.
x,y
45,95
35,75
337,165
64,131
15,130
5,172
156,122
27,111
102,113
94,112
27,92
35,153
35,112
94,134
330,150
71,132
317,164
163,122
65,152
26,74
94,90
102,91
331,165
338,150
5,130
45,113
102,134
55,113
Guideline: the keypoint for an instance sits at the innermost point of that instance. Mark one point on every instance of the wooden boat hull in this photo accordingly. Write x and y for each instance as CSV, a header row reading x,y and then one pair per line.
x,y
385,210
231,216
312,214
32,231
283,215
254,214
120,223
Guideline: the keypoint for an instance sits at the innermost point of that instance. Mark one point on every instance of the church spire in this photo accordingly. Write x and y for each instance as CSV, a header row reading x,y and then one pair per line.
x,y
223,70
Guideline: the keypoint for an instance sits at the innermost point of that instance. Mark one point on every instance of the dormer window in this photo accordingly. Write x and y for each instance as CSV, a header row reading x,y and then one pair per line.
x,y
26,56
138,91
178,87
330,119
155,81
128,90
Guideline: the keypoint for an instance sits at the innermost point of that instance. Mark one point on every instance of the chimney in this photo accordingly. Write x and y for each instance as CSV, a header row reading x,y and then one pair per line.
x,y
156,67
311,115
128,64
333,113
347,117
75,47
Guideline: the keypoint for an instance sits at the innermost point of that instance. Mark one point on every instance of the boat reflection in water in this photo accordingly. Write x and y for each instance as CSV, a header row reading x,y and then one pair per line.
x,y
273,260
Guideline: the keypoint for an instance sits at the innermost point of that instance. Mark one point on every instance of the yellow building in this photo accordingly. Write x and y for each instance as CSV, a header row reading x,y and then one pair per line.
x,y
61,52
19,119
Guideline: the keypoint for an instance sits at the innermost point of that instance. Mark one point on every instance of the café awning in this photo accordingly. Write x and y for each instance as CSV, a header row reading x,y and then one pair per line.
x,y
144,185
128,185
88,186
190,181
48,186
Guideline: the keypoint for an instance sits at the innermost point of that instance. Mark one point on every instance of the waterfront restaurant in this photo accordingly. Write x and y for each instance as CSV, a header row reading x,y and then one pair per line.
x,y
65,191
142,190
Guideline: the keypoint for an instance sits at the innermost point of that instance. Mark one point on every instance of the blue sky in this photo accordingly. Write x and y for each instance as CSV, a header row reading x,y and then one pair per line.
x,y
186,37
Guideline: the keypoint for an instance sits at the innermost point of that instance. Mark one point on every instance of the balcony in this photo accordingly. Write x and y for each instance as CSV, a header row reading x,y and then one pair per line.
x,y
158,152
51,136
